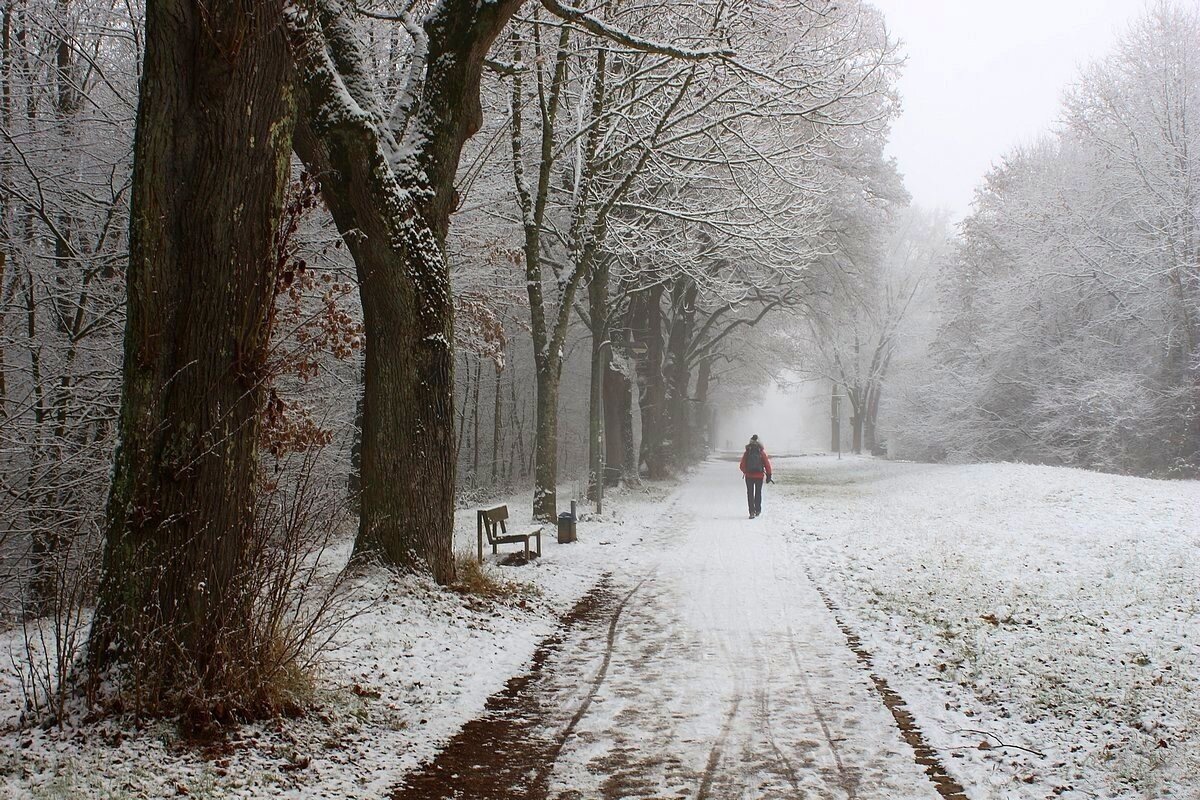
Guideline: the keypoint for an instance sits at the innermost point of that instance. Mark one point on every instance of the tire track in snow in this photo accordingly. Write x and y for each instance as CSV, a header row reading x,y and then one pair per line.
x,y
504,753
923,753
714,755
847,780
560,740
787,767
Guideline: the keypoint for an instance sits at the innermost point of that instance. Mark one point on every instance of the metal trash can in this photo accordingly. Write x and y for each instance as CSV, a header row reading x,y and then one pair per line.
x,y
566,527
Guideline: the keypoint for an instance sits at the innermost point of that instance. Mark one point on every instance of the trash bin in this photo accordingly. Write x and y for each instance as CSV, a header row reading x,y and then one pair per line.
x,y
566,527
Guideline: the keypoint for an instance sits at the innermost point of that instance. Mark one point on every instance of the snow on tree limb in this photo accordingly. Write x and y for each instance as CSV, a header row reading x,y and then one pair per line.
x,y
600,28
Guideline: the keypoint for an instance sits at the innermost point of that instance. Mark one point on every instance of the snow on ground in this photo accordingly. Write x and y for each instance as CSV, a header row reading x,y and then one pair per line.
x,y
726,678
1042,608
413,665
1041,624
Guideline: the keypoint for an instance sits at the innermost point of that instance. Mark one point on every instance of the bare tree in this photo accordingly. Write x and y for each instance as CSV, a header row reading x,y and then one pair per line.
x,y
1068,314
66,109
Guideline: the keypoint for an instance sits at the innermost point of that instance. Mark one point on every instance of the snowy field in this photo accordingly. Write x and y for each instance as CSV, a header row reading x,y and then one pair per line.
x,y
1050,609
1040,623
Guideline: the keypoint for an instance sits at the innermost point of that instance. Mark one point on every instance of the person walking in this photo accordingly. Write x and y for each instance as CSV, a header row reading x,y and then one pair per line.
x,y
755,466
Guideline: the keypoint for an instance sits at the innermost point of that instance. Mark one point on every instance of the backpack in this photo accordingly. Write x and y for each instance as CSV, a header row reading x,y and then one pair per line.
x,y
754,459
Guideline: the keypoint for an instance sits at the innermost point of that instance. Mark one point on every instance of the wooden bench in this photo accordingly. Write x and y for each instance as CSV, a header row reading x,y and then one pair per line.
x,y
490,522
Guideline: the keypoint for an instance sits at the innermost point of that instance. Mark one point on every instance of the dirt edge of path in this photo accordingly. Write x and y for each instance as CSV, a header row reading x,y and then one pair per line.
x,y
508,750
925,755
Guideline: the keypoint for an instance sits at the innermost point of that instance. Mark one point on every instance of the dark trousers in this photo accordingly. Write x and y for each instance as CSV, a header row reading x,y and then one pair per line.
x,y
754,494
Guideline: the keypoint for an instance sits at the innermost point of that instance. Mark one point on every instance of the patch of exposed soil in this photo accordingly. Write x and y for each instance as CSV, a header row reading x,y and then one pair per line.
x,y
509,750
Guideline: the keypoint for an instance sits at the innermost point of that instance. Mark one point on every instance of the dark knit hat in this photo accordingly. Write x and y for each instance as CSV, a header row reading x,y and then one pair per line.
x,y
754,437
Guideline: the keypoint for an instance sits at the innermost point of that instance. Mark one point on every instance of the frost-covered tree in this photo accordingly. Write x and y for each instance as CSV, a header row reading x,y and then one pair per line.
x,y
862,317
600,114
1068,316
685,172
66,104
387,167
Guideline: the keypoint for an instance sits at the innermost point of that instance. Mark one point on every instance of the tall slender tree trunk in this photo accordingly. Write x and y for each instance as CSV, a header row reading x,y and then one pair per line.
x,y
870,420
678,371
462,407
601,355
3,283
497,425
43,535
620,456
545,439
211,162
703,444
475,423
596,431
857,418
618,417
835,420
6,104
518,422
652,383
52,531
548,321
35,352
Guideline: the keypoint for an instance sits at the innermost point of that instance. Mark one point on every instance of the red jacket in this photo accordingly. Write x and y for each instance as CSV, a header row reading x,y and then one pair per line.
x,y
766,470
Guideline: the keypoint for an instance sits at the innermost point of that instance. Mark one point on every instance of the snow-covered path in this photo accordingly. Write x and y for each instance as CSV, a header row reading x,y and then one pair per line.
x,y
718,672
729,677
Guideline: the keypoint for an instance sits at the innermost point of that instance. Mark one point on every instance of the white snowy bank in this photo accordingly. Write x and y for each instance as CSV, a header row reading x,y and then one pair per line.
x,y
1051,609
414,665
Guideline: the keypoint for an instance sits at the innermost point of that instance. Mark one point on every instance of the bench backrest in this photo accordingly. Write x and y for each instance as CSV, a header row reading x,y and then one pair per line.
x,y
491,518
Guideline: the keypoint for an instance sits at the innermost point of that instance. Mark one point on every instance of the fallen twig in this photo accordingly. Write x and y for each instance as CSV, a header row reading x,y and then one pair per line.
x,y
999,742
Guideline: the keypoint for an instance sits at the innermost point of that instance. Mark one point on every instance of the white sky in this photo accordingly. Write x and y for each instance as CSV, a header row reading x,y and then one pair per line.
x,y
982,76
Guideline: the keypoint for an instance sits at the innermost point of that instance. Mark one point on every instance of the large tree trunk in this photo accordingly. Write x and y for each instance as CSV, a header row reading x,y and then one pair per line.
x,y
392,203
211,162
408,444
620,458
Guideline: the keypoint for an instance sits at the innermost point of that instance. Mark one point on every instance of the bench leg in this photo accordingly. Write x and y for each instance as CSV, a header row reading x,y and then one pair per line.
x,y
480,546
539,538
526,549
